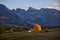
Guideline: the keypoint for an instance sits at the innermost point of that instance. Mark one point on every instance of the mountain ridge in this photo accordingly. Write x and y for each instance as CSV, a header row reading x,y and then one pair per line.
x,y
44,16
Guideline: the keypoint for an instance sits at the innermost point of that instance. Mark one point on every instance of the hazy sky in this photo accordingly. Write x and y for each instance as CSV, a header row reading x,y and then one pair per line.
x,y
24,4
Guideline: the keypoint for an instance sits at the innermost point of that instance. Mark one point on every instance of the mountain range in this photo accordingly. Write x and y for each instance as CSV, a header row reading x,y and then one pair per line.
x,y
21,17
44,16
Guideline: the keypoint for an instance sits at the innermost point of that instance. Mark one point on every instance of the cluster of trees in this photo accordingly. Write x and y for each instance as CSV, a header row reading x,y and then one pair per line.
x,y
18,29
14,29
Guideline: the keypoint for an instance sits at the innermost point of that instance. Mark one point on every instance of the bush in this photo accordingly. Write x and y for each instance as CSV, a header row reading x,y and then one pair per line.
x,y
19,29
2,30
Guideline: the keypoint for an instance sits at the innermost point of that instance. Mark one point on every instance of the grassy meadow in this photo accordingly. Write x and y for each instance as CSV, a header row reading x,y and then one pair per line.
x,y
53,34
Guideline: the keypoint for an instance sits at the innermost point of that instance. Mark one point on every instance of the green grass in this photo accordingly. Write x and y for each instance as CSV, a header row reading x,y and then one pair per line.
x,y
53,34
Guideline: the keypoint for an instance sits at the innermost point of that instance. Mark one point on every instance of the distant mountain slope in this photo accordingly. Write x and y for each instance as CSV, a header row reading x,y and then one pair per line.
x,y
44,16
21,17
9,17
50,17
27,15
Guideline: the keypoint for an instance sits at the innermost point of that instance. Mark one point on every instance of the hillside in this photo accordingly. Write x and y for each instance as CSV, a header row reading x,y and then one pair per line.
x,y
21,17
9,17
44,16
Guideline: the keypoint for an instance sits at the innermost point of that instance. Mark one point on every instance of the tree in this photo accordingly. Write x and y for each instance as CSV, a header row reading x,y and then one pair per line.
x,y
2,30
37,27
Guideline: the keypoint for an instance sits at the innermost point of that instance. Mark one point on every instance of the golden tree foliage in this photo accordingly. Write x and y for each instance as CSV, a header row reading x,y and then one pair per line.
x,y
37,27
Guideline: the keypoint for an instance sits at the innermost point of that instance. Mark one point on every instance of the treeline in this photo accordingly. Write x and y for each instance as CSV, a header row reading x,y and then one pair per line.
x,y
21,29
13,29
50,27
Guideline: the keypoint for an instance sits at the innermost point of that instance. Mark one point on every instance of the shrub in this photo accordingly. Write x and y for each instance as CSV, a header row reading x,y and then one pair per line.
x,y
19,29
2,30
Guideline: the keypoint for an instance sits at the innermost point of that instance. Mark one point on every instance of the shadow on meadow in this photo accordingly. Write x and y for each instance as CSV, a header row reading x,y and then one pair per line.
x,y
53,34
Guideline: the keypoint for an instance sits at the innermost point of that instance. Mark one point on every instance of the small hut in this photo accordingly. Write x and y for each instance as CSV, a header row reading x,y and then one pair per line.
x,y
46,29
31,30
12,30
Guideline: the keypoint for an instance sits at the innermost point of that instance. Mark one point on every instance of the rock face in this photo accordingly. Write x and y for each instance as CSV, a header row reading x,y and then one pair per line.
x,y
9,18
44,16
21,17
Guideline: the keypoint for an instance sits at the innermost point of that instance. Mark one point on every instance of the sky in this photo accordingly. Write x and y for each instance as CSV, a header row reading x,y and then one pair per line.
x,y
25,4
